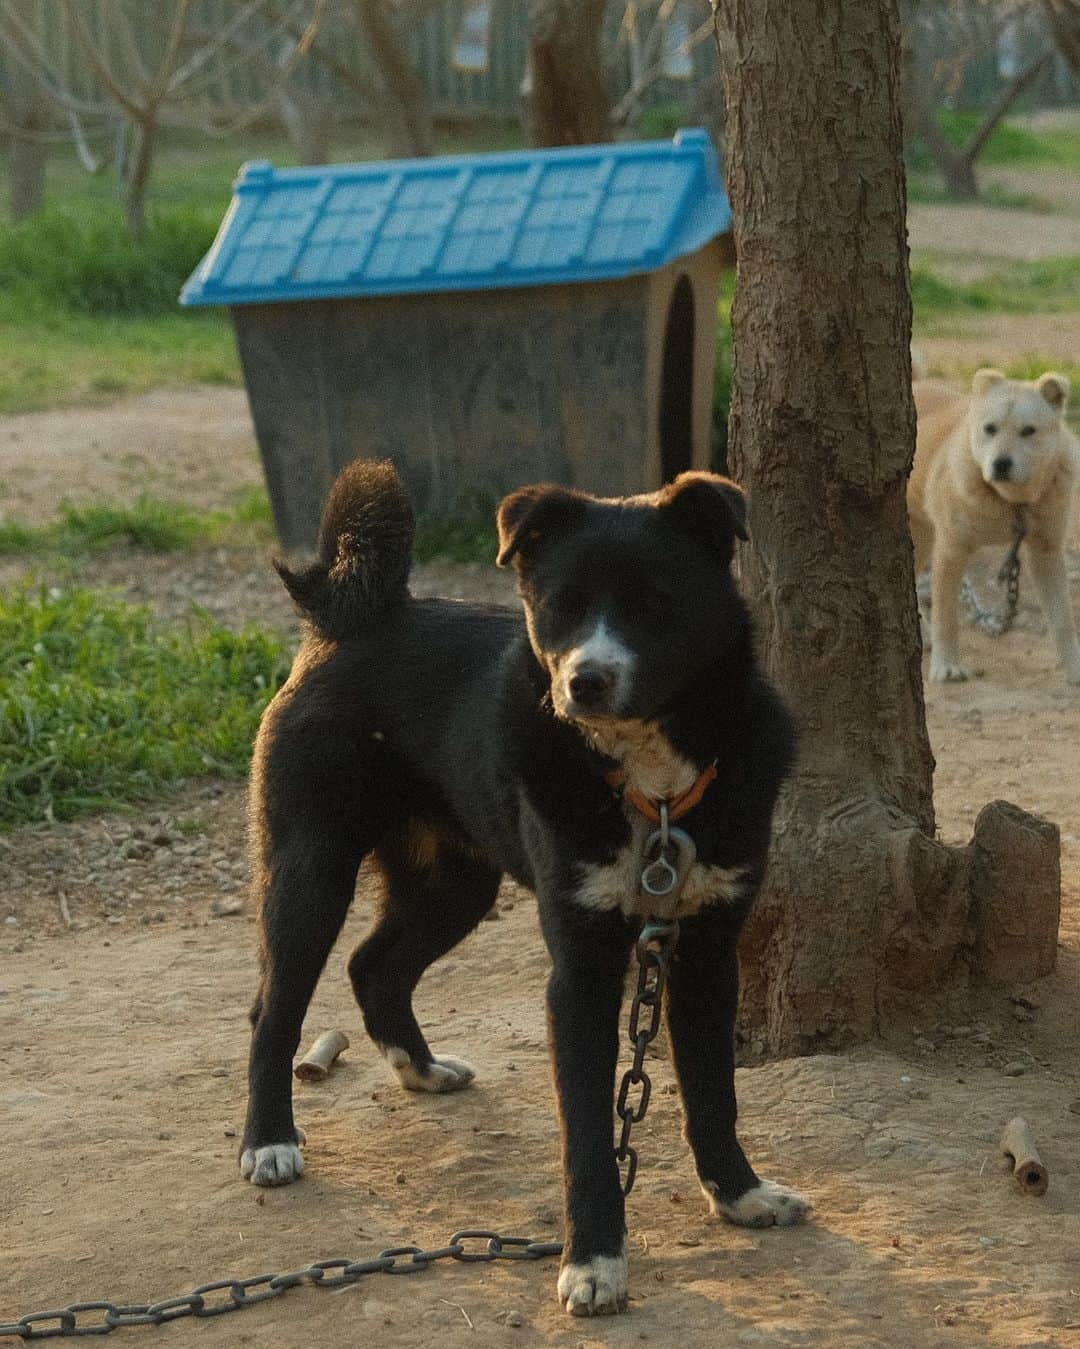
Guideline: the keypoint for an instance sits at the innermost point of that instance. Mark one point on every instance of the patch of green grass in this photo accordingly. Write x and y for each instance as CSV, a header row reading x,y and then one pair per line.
x,y
102,705
1049,285
929,191
1008,144
52,356
469,537
150,524
85,262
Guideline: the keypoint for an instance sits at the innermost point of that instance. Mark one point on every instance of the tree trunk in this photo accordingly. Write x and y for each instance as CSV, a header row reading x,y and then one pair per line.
x,y
863,911
406,115
568,103
303,117
137,177
27,109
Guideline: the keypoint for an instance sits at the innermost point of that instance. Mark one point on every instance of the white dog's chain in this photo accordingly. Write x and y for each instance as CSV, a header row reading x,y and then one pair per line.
x,y
997,622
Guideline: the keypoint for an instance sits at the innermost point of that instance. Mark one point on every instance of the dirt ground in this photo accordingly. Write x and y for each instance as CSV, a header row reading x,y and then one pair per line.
x,y
127,964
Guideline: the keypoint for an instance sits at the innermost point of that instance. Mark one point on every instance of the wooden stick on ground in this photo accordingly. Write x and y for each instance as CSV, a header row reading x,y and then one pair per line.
x,y
1018,1144
316,1063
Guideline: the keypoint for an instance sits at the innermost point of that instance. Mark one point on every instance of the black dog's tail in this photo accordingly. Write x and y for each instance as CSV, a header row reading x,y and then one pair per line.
x,y
365,548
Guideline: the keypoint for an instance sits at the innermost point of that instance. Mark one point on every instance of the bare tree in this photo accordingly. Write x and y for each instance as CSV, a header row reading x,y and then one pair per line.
x,y
182,89
568,102
927,72
864,911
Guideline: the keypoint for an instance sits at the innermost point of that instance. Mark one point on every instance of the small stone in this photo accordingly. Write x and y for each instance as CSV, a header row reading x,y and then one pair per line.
x,y
987,1242
226,906
1015,1069
1025,1000
399,1179
11,920
919,1095
219,1072
545,1216
1074,1106
924,1046
230,1133
164,1135
492,916
961,1032
1022,1013
260,1199
513,1319
161,838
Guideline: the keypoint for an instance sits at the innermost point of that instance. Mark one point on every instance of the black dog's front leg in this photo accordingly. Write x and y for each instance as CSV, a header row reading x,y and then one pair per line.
x,y
703,993
584,995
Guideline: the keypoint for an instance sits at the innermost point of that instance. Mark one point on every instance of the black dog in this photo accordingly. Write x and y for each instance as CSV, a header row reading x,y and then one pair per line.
x,y
456,744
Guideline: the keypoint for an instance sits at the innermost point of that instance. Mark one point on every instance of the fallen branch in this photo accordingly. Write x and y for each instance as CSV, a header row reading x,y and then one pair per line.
x,y
1018,1144
317,1062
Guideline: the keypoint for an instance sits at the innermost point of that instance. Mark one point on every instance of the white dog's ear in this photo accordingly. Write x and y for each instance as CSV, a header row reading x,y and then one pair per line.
x,y
1054,388
984,380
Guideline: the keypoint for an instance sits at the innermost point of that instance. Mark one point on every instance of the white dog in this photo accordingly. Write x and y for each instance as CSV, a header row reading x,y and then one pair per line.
x,y
979,459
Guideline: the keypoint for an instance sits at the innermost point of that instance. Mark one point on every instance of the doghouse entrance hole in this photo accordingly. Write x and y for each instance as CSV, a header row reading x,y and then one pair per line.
x,y
677,383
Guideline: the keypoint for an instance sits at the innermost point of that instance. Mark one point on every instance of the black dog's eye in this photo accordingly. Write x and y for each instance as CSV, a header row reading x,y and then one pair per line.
x,y
1027,430
990,428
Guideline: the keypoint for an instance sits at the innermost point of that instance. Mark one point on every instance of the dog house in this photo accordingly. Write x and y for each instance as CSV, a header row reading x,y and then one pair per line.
x,y
483,320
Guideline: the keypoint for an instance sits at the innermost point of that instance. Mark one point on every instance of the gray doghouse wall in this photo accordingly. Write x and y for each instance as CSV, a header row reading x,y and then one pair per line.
x,y
473,394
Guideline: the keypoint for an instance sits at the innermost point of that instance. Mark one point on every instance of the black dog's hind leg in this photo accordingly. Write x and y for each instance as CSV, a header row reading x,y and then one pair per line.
x,y
701,1002
311,850
432,901
584,995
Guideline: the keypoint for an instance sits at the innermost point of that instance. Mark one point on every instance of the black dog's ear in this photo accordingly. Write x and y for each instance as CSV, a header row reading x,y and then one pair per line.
x,y
708,506
532,514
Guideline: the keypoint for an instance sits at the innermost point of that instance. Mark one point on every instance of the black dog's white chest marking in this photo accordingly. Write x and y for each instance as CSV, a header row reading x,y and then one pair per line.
x,y
656,769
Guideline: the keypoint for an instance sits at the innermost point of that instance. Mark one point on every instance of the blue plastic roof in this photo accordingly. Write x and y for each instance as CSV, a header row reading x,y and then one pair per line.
x,y
468,222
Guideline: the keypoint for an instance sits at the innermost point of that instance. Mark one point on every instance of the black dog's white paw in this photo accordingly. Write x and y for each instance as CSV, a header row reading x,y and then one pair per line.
x,y
597,1287
443,1074
766,1205
274,1163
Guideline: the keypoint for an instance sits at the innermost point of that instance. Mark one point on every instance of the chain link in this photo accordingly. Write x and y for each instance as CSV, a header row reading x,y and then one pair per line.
x,y
655,944
997,622
238,1293
654,947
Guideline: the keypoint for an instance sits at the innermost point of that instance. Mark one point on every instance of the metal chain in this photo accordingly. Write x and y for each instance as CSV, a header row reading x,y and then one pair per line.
x,y
997,622
654,947
238,1293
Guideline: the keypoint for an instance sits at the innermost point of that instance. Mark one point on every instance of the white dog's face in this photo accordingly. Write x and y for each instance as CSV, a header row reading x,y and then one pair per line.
x,y
1017,432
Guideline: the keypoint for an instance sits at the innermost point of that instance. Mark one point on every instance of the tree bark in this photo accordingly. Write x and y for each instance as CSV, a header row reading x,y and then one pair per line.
x,y
569,102
407,117
863,911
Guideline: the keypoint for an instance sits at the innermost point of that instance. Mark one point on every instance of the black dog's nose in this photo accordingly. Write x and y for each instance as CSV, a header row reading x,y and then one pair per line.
x,y
1002,467
590,685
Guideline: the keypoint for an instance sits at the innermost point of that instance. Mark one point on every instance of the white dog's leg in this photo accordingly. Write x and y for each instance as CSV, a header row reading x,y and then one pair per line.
x,y
1048,573
948,572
